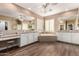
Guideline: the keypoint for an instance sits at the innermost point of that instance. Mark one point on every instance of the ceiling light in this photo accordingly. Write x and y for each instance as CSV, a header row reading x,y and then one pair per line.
x,y
29,8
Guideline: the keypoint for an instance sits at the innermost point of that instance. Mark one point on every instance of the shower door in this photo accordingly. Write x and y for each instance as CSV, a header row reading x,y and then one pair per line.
x,y
3,25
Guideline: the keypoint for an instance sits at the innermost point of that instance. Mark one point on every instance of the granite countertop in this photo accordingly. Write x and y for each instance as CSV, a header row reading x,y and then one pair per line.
x,y
70,31
5,35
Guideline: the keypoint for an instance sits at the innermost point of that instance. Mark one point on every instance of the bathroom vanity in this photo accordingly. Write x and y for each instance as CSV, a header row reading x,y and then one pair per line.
x,y
28,38
11,38
68,36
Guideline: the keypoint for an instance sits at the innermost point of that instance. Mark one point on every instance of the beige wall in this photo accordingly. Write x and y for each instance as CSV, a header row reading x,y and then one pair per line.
x,y
40,25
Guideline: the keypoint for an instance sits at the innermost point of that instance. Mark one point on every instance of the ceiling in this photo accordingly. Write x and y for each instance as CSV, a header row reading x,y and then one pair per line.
x,y
11,10
51,9
8,9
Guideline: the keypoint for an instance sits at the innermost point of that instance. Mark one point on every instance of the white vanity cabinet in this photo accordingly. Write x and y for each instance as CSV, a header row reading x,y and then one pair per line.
x,y
75,38
67,37
70,37
23,40
35,37
60,36
28,38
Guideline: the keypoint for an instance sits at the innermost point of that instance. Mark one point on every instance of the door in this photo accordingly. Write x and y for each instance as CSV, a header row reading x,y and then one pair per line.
x,y
2,25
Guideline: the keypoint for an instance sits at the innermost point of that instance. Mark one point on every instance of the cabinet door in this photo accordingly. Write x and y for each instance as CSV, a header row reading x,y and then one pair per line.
x,y
75,38
60,36
35,37
30,40
67,37
24,40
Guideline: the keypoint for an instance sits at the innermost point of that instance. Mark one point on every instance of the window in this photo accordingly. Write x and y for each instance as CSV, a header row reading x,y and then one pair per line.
x,y
49,25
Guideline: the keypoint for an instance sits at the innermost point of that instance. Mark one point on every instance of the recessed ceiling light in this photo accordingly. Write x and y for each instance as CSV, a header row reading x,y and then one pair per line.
x,y
29,8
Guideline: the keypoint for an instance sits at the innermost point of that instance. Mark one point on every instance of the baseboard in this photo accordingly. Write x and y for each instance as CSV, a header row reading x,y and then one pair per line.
x,y
68,43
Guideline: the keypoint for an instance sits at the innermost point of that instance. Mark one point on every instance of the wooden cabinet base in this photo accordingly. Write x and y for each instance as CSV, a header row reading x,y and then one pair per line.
x,y
47,38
